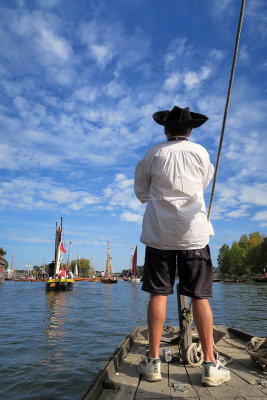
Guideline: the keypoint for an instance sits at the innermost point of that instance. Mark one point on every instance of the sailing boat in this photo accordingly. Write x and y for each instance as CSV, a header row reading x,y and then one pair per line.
x,y
92,277
132,274
58,279
108,278
135,277
2,265
127,277
77,271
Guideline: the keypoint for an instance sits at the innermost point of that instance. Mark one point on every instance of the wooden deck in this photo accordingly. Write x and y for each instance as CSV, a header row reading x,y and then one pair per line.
x,y
120,380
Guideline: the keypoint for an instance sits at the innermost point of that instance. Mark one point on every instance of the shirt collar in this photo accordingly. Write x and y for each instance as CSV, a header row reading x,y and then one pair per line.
x,y
175,138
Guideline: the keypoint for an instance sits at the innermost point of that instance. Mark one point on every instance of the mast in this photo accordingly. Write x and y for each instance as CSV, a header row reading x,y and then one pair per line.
x,y
68,258
92,265
108,262
131,261
57,246
12,266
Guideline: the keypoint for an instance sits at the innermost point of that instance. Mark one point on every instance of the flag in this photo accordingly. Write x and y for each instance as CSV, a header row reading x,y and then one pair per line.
x,y
62,248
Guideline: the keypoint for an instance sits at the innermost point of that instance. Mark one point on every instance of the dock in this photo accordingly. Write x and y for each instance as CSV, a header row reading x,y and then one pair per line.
x,y
119,379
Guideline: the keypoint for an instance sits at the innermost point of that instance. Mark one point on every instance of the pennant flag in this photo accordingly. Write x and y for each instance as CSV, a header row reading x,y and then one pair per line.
x,y
62,248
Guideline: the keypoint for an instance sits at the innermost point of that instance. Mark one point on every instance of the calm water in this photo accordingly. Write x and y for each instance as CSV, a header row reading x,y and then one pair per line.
x,y
54,343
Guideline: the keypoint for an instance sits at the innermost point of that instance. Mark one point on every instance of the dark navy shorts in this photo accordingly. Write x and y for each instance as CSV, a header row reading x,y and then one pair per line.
x,y
195,272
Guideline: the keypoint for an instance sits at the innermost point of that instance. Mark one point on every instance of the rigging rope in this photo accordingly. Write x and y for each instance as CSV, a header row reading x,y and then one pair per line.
x,y
227,100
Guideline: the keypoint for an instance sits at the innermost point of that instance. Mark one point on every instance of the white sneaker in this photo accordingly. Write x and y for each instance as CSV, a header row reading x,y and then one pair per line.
x,y
150,369
215,375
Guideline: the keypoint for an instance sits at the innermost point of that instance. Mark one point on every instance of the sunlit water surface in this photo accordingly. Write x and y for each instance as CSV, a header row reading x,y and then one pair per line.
x,y
52,344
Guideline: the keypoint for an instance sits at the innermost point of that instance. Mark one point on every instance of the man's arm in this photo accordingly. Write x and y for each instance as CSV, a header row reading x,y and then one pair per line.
x,y
209,173
142,181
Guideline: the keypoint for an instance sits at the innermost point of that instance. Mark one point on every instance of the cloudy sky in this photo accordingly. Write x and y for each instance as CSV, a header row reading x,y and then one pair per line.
x,y
79,82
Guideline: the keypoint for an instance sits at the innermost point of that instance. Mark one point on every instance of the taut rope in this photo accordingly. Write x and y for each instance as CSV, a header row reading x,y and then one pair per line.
x,y
228,100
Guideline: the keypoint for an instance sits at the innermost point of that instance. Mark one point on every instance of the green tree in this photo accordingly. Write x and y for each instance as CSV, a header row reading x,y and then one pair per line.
x,y
223,259
244,242
237,260
83,266
255,239
248,256
2,254
263,255
254,258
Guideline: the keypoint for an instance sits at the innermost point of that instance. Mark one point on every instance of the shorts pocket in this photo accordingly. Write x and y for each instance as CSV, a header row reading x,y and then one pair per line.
x,y
200,254
161,254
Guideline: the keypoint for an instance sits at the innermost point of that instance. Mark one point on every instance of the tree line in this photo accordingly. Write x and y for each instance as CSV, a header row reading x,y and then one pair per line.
x,y
248,256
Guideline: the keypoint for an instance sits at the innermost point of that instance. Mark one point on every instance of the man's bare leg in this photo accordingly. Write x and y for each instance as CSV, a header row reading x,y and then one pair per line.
x,y
156,313
203,320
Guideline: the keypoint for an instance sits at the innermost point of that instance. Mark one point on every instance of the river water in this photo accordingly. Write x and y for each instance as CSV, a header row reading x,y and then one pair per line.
x,y
52,344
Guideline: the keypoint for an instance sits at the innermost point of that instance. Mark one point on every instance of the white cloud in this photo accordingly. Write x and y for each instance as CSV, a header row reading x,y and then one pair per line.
x,y
172,81
101,53
192,78
52,43
120,194
115,90
237,213
244,54
254,194
177,49
32,194
86,93
131,217
260,216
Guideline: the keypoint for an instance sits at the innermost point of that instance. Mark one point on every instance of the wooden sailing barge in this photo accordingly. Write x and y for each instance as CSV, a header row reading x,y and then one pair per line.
x,y
58,279
120,380
109,277
132,274
2,265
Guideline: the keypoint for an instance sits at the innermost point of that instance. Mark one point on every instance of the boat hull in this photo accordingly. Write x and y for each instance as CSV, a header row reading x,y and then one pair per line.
x,y
59,284
96,279
135,280
109,280
260,279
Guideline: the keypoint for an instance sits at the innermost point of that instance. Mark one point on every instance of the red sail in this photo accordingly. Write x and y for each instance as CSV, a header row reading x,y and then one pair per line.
x,y
134,262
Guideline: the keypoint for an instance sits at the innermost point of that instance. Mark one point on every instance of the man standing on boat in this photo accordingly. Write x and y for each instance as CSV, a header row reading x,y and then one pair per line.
x,y
171,179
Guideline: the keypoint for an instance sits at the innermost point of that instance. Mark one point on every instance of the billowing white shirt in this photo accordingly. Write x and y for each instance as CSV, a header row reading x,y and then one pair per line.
x,y
171,178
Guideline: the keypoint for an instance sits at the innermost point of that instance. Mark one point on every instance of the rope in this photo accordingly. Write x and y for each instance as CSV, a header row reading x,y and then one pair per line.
x,y
195,356
228,100
234,344
257,349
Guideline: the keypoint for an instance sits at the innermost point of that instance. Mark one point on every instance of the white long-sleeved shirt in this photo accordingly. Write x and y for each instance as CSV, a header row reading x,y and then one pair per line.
x,y
171,178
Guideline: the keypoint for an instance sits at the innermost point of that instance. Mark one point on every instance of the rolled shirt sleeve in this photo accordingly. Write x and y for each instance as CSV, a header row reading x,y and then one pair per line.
x,y
141,182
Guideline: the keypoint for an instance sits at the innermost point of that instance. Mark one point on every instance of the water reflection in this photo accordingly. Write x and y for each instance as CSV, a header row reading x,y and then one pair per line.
x,y
57,309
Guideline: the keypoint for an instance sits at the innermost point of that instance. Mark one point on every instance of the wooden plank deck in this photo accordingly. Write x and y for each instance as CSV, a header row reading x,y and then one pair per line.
x,y
120,380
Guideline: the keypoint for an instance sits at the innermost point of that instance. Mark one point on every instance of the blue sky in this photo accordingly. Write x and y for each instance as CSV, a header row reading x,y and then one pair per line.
x,y
79,83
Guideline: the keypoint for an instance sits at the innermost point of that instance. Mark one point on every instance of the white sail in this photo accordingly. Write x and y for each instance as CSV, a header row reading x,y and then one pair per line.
x,y
76,266
57,261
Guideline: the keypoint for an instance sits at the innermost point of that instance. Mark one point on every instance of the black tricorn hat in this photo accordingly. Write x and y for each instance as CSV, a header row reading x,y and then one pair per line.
x,y
180,118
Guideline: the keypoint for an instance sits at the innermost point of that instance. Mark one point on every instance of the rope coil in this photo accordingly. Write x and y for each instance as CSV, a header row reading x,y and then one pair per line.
x,y
257,349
